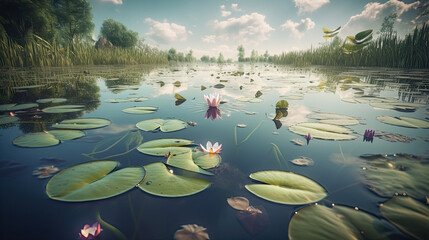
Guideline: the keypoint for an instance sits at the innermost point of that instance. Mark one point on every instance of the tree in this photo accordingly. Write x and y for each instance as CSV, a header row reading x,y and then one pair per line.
x,y
240,50
189,57
172,55
254,56
205,58
266,55
213,59
118,34
387,25
23,18
74,19
220,59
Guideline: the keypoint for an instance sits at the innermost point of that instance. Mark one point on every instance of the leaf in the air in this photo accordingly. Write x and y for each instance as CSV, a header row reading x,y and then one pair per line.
x,y
140,110
82,123
184,160
169,125
339,222
38,139
206,160
407,214
322,131
160,181
160,147
404,121
327,31
63,109
91,181
362,35
286,188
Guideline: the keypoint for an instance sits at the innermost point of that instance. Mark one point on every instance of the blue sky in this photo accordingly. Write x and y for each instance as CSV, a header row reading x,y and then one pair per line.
x,y
209,27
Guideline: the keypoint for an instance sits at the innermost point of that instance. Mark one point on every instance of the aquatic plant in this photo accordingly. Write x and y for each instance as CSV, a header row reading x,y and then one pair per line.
x,y
215,148
90,232
368,136
308,138
213,113
213,99
191,232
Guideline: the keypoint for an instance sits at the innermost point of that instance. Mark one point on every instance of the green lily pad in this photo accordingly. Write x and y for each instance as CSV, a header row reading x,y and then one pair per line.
x,y
82,123
29,86
286,188
184,160
38,139
117,100
333,118
160,147
140,110
23,106
169,125
91,181
404,121
398,106
409,215
64,109
6,107
64,135
399,173
206,160
51,100
161,182
322,131
8,119
339,222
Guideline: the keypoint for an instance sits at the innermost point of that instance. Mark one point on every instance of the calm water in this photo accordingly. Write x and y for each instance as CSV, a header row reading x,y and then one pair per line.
x,y
27,213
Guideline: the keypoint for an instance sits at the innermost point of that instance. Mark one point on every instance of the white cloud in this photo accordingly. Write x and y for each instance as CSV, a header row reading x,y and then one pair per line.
x,y
209,38
234,7
165,32
117,2
223,12
298,28
374,13
309,5
247,28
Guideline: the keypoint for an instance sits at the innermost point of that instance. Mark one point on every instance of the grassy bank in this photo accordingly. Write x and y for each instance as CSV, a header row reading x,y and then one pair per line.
x,y
40,53
385,51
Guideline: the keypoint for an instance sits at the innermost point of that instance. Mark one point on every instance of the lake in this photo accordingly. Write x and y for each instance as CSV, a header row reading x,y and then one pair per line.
x,y
360,98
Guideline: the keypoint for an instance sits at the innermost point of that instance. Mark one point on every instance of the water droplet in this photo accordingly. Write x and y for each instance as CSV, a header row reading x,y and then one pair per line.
x,y
356,208
171,170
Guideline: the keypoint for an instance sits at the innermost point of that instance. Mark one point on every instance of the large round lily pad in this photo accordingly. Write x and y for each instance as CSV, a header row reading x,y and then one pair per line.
x,y
333,118
161,182
338,222
404,121
38,139
92,181
67,134
51,100
169,125
160,147
184,160
8,119
322,131
286,188
399,173
82,123
206,160
64,109
409,215
140,110
6,107
23,106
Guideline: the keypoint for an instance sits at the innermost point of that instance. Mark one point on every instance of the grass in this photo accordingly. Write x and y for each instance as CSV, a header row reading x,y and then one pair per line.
x,y
39,53
387,50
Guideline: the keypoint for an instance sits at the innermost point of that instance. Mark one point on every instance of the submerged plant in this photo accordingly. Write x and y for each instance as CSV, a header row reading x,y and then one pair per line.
x,y
90,232
215,148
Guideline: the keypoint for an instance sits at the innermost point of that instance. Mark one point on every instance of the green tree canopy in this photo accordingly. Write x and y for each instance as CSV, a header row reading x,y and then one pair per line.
x,y
240,50
220,59
118,34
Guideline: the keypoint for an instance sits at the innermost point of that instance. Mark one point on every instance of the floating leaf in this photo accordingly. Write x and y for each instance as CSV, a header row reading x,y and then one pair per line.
x,y
333,118
117,100
397,106
38,139
184,160
389,174
203,88
82,123
206,160
64,135
219,85
241,125
298,142
179,97
169,125
191,232
322,131
238,203
286,188
258,94
28,87
338,222
51,100
282,104
8,119
23,106
6,107
63,109
91,181
160,147
404,121
303,161
140,110
407,214
160,181
392,137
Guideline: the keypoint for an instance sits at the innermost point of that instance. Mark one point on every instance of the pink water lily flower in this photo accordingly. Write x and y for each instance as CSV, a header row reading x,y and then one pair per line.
x,y
213,113
308,137
368,136
215,148
213,99
90,232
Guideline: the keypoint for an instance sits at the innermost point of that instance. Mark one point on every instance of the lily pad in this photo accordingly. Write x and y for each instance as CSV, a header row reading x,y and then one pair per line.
x,y
179,97
333,118
286,188
140,110
6,107
160,181
184,160
64,109
238,203
38,139
23,106
338,222
117,100
160,147
64,135
322,131
91,181
82,123
169,125
303,161
407,214
398,173
206,160
51,100
404,121
8,119
398,106
392,137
